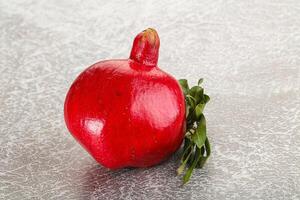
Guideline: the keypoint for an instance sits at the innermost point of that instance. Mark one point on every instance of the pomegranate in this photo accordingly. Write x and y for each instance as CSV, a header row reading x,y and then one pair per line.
x,y
127,112
130,113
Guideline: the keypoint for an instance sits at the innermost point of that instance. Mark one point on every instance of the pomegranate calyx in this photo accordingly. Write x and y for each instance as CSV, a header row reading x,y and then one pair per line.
x,y
145,48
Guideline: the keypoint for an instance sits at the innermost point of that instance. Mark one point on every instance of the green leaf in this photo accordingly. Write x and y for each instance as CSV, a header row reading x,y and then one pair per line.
x,y
197,93
191,101
203,159
189,172
198,110
181,168
202,152
200,81
184,85
201,162
187,112
183,165
199,136
207,147
206,98
192,158
186,148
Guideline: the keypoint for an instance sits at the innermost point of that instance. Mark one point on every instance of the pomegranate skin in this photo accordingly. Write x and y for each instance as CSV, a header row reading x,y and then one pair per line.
x,y
126,113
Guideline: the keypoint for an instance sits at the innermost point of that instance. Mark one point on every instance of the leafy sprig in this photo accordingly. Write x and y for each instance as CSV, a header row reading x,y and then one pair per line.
x,y
196,149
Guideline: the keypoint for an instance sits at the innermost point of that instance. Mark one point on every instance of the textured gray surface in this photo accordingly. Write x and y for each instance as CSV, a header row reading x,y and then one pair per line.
x,y
247,51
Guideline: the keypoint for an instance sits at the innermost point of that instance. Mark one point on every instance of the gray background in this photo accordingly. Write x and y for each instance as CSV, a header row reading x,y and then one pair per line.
x,y
246,51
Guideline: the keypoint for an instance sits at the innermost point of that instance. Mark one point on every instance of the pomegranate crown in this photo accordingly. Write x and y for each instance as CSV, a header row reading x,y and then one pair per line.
x,y
145,48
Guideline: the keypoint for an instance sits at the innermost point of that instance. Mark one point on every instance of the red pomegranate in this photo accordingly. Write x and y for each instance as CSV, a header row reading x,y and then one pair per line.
x,y
127,112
